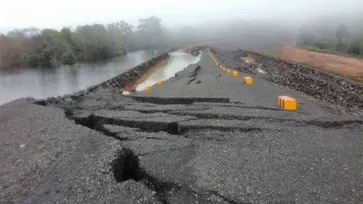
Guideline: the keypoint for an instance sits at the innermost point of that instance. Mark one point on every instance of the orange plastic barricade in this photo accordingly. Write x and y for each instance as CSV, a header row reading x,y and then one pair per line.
x,y
248,80
148,88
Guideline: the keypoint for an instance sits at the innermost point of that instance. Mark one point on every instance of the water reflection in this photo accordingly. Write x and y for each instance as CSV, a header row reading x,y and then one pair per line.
x,y
178,61
42,83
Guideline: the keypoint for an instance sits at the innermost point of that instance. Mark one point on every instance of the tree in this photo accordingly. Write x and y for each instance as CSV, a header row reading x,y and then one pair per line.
x,y
342,35
150,30
11,52
93,42
355,46
117,38
53,47
126,33
50,48
307,36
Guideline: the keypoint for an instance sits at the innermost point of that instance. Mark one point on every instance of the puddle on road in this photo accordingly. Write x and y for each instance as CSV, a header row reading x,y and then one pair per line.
x,y
178,61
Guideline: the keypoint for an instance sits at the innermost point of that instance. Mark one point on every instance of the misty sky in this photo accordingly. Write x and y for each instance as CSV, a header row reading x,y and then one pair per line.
x,y
56,14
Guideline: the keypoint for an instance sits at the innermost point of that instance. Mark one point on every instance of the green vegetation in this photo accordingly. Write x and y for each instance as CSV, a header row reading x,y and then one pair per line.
x,y
334,38
51,48
273,52
69,58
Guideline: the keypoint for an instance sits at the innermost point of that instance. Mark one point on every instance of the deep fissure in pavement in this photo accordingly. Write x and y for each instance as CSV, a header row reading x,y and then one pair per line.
x,y
146,126
194,74
296,122
126,166
180,100
83,118
87,119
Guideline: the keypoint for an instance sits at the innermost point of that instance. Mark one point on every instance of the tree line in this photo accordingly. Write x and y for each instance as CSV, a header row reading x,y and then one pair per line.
x,y
33,47
341,38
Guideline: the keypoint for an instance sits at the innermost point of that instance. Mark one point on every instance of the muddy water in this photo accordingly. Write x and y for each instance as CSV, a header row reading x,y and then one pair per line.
x,y
46,82
178,61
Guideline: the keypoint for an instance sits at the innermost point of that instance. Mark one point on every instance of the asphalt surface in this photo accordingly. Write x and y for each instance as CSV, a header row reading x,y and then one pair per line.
x,y
201,137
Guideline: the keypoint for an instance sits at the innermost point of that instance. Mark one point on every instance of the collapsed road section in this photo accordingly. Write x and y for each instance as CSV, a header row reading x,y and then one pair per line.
x,y
202,136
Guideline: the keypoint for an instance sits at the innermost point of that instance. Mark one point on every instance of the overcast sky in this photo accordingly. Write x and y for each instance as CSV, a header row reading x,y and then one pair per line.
x,y
55,14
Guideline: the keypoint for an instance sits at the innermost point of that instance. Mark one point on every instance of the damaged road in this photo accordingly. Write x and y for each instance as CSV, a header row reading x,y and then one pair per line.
x,y
200,137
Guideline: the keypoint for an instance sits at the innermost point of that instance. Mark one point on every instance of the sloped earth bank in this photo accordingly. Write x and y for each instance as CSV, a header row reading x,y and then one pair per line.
x,y
201,137
342,65
332,90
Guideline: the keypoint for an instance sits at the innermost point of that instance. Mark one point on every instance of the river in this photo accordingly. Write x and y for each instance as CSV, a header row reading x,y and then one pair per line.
x,y
42,83
177,61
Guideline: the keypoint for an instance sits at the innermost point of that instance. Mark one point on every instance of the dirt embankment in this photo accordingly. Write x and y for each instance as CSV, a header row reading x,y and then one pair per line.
x,y
329,88
341,65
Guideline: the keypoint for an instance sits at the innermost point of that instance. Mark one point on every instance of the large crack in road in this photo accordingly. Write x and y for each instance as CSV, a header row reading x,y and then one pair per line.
x,y
164,125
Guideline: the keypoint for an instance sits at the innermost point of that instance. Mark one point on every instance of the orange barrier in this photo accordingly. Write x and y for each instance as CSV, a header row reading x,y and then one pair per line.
x,y
148,88
287,103
160,82
279,100
248,80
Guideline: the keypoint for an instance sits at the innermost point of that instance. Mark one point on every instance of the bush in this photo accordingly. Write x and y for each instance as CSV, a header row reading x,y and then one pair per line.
x,y
311,48
69,58
119,53
31,61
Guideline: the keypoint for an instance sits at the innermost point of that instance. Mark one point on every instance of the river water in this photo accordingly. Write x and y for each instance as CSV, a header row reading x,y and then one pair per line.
x,y
178,61
42,83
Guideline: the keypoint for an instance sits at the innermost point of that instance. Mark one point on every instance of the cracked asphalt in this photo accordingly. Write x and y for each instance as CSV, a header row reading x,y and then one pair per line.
x,y
201,137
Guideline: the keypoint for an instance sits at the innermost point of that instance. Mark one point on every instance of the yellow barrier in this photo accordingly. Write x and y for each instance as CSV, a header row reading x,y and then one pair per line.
x,y
224,69
228,71
235,73
221,66
287,103
217,64
248,80
148,88
279,100
160,82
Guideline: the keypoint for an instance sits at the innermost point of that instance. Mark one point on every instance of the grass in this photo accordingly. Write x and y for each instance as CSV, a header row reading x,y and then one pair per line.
x,y
275,52
313,48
